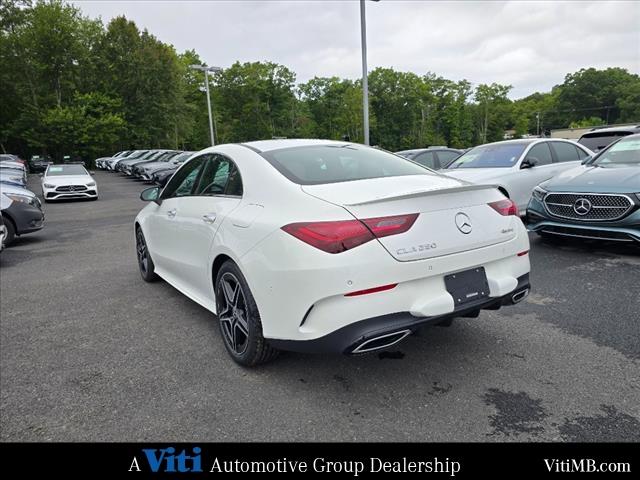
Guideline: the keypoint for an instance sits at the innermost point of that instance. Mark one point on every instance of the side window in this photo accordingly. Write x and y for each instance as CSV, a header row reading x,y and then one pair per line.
x,y
234,185
581,153
565,152
184,179
427,159
446,157
541,153
219,177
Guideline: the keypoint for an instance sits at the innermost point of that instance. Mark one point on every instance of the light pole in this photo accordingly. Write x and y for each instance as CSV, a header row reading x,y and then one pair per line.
x,y
365,76
206,70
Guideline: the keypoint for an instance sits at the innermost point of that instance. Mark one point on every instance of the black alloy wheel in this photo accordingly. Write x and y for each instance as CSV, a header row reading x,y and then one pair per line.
x,y
239,318
147,268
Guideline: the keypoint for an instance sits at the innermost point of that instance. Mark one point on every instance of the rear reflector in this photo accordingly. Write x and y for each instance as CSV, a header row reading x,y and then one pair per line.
x,y
339,236
505,207
371,290
522,254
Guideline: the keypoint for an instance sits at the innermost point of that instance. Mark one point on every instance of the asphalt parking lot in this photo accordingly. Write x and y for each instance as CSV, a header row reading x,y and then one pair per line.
x,y
91,352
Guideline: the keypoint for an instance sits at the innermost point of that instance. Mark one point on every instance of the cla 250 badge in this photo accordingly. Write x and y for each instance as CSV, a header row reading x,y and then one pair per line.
x,y
418,248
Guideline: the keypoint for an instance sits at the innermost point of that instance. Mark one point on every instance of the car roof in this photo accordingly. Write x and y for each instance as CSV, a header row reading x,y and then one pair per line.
x,y
418,150
276,144
597,131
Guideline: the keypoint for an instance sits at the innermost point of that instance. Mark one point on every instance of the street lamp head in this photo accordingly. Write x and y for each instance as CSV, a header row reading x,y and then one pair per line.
x,y
203,68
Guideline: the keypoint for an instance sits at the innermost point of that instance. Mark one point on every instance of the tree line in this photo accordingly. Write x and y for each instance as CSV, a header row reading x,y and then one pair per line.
x,y
71,85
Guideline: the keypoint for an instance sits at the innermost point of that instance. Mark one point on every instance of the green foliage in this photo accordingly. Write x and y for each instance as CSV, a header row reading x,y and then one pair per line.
x,y
587,122
257,100
71,85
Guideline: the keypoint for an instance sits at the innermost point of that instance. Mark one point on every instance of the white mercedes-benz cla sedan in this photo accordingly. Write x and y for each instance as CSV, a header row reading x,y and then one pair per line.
x,y
64,182
325,246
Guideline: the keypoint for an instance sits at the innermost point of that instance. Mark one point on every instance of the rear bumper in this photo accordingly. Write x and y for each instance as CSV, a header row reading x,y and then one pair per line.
x,y
305,296
381,332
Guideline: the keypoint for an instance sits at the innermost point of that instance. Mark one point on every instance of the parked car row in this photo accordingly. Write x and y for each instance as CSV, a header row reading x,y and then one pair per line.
x,y
153,166
20,208
561,188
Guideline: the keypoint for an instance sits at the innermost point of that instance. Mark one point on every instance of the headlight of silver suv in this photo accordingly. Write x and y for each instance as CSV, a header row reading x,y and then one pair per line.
x,y
49,185
539,193
91,184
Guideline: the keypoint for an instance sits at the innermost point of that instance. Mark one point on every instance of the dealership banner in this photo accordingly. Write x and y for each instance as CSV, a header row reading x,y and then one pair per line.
x,y
455,460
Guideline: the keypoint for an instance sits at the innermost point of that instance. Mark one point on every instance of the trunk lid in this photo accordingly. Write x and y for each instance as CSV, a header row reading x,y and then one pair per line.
x,y
454,216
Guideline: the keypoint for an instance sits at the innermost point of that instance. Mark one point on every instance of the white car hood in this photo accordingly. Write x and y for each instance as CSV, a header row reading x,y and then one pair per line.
x,y
477,175
67,179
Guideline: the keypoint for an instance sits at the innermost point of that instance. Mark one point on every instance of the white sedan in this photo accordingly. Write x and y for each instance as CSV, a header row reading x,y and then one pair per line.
x,y
516,167
62,182
324,246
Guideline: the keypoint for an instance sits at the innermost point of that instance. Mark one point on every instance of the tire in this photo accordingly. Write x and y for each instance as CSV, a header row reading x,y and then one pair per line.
x,y
239,319
145,264
11,231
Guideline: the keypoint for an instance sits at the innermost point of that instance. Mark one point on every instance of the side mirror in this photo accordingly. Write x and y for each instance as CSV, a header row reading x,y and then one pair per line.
x,y
151,195
586,160
92,173
41,175
529,162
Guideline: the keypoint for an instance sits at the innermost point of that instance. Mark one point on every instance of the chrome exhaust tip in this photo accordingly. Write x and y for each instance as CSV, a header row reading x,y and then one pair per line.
x,y
380,342
519,296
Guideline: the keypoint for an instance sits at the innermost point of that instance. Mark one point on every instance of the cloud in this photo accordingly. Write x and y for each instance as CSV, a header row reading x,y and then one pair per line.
x,y
530,45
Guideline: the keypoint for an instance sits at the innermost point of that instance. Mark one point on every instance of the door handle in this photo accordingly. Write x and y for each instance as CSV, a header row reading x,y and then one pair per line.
x,y
209,218
171,213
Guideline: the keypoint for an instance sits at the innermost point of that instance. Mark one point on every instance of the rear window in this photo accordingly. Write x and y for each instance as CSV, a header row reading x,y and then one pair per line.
x,y
597,141
322,164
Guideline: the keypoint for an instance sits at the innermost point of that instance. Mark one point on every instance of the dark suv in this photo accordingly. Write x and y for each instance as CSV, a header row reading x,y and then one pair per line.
x,y
600,137
39,163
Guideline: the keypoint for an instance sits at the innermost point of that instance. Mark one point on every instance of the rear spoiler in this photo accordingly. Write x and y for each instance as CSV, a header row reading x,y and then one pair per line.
x,y
424,193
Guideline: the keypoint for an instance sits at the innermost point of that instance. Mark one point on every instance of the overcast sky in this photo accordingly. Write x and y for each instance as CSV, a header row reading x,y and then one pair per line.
x,y
530,45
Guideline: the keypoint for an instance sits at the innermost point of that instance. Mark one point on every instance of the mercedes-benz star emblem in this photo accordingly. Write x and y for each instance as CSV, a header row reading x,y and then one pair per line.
x,y
582,206
463,222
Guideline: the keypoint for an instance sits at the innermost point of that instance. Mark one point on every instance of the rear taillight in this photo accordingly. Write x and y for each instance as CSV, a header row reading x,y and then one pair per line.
x,y
385,226
332,237
339,236
505,207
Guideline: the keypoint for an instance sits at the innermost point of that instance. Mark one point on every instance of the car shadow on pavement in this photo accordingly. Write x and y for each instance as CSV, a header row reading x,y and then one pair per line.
x,y
590,246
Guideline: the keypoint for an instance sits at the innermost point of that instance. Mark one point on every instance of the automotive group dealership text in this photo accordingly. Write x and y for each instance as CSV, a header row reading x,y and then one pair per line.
x,y
168,462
